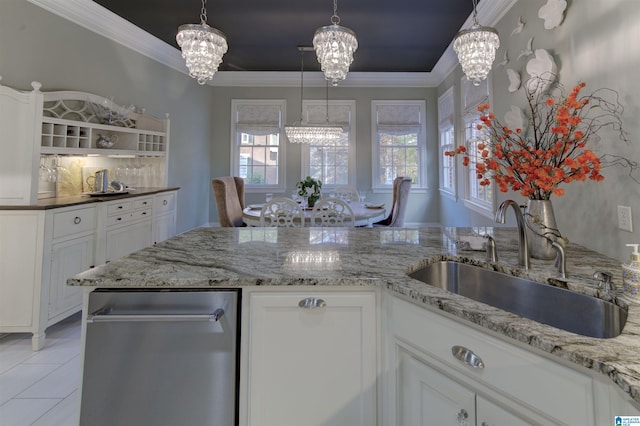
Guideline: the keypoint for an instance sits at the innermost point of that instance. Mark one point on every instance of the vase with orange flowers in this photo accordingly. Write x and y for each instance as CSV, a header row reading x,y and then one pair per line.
x,y
550,149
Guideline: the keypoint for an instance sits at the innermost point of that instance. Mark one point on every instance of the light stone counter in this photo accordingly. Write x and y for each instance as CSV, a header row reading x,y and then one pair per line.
x,y
231,257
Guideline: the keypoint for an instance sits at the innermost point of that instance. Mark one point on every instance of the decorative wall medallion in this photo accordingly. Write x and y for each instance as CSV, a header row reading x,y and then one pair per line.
x,y
528,51
542,70
552,13
514,80
519,27
505,59
515,119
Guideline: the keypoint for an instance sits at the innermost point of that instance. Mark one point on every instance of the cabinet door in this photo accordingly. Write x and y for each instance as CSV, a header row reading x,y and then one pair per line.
x,y
127,239
164,227
67,259
490,414
429,398
312,366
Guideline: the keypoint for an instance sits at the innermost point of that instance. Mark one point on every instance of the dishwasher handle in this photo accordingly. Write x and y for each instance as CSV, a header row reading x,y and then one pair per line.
x,y
103,315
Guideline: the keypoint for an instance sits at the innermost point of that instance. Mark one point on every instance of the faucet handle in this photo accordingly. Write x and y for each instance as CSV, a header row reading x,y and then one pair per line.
x,y
605,280
561,259
492,254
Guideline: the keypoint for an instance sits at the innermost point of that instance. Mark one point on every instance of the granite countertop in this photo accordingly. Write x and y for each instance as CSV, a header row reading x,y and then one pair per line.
x,y
74,200
231,257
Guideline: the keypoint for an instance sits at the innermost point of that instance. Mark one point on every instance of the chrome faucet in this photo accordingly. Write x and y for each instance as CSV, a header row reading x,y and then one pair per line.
x,y
523,249
561,260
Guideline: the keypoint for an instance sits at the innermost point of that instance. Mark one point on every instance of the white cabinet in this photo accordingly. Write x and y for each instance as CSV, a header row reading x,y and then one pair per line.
x,y
310,358
39,251
128,226
428,397
68,258
512,383
164,216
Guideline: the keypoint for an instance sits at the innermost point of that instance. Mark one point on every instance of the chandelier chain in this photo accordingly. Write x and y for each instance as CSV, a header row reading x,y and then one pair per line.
x,y
475,12
335,19
301,84
203,13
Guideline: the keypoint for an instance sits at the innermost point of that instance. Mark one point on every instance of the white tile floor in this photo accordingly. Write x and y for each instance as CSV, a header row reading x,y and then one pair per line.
x,y
41,388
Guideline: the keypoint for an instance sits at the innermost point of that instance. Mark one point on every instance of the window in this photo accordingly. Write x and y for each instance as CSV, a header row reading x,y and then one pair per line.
x,y
446,131
399,148
332,163
477,197
256,132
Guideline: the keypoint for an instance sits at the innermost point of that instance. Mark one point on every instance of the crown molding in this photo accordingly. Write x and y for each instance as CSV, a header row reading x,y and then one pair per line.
x,y
96,18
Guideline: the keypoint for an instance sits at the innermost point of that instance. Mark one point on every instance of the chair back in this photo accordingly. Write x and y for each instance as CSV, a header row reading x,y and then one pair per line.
x,y
332,212
347,193
283,212
229,194
401,189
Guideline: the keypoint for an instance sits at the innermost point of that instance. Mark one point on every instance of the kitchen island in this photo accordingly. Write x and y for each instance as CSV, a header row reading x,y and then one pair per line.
x,y
380,258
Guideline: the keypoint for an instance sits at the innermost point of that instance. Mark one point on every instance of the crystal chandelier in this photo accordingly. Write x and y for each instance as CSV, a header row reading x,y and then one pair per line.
x,y
202,47
318,133
476,49
334,47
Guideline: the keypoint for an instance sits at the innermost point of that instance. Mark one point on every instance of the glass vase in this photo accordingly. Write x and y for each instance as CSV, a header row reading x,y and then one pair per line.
x,y
541,229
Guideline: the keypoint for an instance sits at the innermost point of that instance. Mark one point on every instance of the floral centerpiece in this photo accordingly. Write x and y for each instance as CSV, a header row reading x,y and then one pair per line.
x,y
555,149
551,149
309,188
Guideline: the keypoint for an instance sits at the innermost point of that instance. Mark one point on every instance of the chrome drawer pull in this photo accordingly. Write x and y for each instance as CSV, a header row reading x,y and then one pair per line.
x,y
312,303
467,356
77,220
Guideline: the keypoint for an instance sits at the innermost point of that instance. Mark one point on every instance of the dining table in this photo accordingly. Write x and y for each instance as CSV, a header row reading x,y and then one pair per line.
x,y
365,214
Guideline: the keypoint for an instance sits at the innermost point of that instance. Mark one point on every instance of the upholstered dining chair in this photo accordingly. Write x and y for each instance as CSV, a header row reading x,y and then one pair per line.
x,y
347,193
283,212
332,212
401,189
229,193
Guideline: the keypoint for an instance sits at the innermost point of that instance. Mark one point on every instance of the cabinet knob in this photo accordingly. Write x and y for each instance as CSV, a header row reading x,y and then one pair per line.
x,y
467,356
77,220
463,416
144,203
120,207
485,424
165,202
312,303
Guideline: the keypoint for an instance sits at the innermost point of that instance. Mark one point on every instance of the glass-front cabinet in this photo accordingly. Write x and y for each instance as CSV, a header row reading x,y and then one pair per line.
x,y
54,142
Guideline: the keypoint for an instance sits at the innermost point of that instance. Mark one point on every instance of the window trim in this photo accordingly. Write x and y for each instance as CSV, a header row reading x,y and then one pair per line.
x,y
470,117
447,96
422,146
235,147
304,159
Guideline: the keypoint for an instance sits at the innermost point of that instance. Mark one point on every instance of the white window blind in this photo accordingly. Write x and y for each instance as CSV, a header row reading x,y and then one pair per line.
x,y
258,119
398,120
339,115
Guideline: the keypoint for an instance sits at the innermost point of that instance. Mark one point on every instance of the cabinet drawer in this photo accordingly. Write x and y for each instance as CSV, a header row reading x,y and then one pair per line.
x,y
119,207
141,214
164,203
524,376
73,222
142,203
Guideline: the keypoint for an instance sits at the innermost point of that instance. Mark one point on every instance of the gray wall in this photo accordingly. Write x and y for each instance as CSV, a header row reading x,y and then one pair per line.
x,y
422,208
37,45
597,44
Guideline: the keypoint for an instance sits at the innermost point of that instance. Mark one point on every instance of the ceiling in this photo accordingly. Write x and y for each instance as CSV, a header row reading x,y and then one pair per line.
x,y
263,35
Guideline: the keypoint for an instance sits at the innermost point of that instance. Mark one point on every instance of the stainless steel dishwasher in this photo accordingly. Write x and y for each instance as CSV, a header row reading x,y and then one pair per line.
x,y
161,358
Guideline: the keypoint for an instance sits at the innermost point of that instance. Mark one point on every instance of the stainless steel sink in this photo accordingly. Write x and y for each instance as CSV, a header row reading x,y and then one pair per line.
x,y
560,308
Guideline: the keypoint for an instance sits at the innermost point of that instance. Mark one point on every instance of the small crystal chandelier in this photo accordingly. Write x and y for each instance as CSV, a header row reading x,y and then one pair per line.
x,y
335,46
202,47
476,49
319,133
